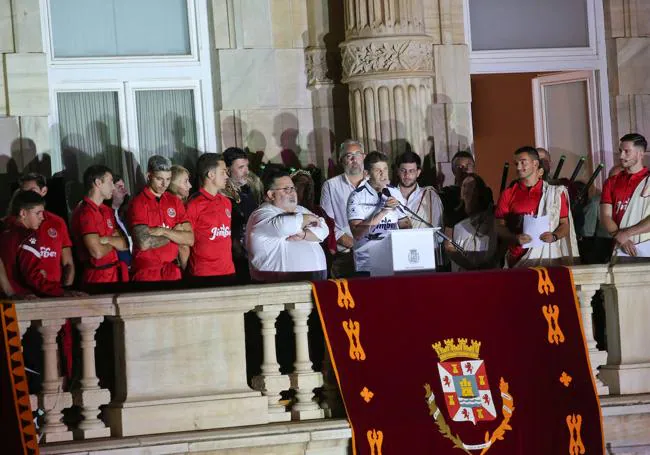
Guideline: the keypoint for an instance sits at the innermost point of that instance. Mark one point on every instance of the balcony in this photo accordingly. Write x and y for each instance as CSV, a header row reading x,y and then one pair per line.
x,y
197,371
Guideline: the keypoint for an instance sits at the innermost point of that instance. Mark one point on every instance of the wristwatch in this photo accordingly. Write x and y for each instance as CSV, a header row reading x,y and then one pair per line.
x,y
555,237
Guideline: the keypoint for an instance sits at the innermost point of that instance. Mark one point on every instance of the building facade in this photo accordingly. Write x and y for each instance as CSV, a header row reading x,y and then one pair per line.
x,y
115,82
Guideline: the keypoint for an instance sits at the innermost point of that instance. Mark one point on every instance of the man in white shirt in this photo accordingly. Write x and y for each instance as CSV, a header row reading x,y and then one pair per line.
x,y
334,199
370,213
424,201
282,237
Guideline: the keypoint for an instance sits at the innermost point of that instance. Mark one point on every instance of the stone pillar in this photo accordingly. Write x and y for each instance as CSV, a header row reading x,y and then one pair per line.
x,y
627,28
52,398
323,66
90,396
627,309
271,382
304,379
388,65
597,357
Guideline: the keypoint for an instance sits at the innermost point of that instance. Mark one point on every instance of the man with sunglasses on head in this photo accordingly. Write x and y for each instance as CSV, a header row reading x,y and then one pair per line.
x,y
334,201
282,237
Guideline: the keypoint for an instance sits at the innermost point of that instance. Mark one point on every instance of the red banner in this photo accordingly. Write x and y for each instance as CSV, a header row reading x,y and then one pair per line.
x,y
474,362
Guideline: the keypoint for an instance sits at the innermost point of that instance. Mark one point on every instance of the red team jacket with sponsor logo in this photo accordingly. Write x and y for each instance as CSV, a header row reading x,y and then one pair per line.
x,y
90,218
21,254
618,191
156,264
52,238
210,216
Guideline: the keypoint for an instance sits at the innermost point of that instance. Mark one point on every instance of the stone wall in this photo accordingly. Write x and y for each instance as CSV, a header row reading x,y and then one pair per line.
x,y
270,101
627,24
24,99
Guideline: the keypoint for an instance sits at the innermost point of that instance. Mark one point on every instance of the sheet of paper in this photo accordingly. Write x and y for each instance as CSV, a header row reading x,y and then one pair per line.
x,y
642,250
534,227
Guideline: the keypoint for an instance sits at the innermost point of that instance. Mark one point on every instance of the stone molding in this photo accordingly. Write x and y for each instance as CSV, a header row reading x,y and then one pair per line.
x,y
317,67
397,55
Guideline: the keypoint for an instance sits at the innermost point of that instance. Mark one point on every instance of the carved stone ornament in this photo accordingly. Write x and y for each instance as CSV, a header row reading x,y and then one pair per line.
x,y
316,67
376,56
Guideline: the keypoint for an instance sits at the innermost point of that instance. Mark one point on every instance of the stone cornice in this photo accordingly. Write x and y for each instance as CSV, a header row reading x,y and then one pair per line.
x,y
395,56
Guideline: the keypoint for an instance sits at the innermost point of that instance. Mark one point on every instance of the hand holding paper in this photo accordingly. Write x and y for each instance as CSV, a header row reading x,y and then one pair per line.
x,y
535,227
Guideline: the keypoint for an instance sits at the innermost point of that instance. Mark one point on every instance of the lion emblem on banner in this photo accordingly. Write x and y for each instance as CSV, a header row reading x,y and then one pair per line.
x,y
466,393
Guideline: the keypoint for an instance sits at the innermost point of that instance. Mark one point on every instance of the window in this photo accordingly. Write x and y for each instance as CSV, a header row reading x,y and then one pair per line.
x,y
528,24
128,79
118,28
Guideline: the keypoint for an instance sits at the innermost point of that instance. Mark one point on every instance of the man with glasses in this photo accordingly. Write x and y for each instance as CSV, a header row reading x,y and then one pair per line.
x,y
334,200
282,237
370,213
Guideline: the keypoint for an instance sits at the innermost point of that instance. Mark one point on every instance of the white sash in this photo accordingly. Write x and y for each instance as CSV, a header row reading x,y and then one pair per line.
x,y
638,209
565,250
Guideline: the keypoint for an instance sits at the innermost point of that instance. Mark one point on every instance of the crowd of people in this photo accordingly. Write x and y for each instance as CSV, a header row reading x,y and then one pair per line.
x,y
238,228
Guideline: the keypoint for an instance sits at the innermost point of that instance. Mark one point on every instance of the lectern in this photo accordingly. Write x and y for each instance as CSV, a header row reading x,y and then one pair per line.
x,y
402,251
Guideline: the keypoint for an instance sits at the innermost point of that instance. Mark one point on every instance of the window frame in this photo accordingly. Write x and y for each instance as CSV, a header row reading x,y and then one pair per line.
x,y
125,75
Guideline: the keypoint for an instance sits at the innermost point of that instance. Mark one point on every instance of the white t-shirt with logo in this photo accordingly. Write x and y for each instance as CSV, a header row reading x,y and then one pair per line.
x,y
363,203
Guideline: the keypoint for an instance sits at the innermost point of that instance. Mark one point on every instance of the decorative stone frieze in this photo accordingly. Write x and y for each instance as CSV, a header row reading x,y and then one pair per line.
x,y
390,57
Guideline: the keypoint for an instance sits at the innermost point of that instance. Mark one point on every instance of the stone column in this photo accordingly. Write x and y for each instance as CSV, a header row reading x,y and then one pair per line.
x,y
90,397
388,66
627,30
271,382
304,379
597,357
52,398
627,310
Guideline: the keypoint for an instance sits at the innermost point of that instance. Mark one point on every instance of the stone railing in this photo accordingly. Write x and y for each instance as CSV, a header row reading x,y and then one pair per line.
x,y
180,357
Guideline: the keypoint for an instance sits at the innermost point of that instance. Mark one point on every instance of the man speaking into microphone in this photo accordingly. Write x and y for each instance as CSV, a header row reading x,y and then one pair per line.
x,y
370,213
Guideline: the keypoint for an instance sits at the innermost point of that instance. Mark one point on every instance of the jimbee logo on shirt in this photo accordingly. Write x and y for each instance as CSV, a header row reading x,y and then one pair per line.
x,y
47,253
223,231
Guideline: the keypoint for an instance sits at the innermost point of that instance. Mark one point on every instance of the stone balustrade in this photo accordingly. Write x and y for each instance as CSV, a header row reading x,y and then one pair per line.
x,y
180,357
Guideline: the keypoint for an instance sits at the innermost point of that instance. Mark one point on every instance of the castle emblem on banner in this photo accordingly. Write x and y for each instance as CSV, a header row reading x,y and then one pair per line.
x,y
466,393
464,382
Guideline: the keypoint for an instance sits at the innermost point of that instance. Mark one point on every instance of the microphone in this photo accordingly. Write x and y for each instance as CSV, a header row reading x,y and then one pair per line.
x,y
436,230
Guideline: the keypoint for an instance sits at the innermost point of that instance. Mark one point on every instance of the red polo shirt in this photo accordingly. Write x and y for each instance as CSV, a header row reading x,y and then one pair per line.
x,y
21,254
156,264
210,216
618,190
52,238
90,218
520,200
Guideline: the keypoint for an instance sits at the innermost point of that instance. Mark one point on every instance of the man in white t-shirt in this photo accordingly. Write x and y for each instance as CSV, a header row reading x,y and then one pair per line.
x,y
282,237
334,200
370,213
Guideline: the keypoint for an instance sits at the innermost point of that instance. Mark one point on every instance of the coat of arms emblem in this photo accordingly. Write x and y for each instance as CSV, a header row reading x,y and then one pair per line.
x,y
414,256
466,392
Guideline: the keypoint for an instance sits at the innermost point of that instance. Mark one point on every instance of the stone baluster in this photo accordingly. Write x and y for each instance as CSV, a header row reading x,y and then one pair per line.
x,y
597,357
52,398
271,382
90,396
23,326
304,379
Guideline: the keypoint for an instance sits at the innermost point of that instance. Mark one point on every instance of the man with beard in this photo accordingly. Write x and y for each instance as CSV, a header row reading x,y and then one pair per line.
x,y
532,196
424,201
625,202
334,199
244,190
158,225
283,237
370,213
